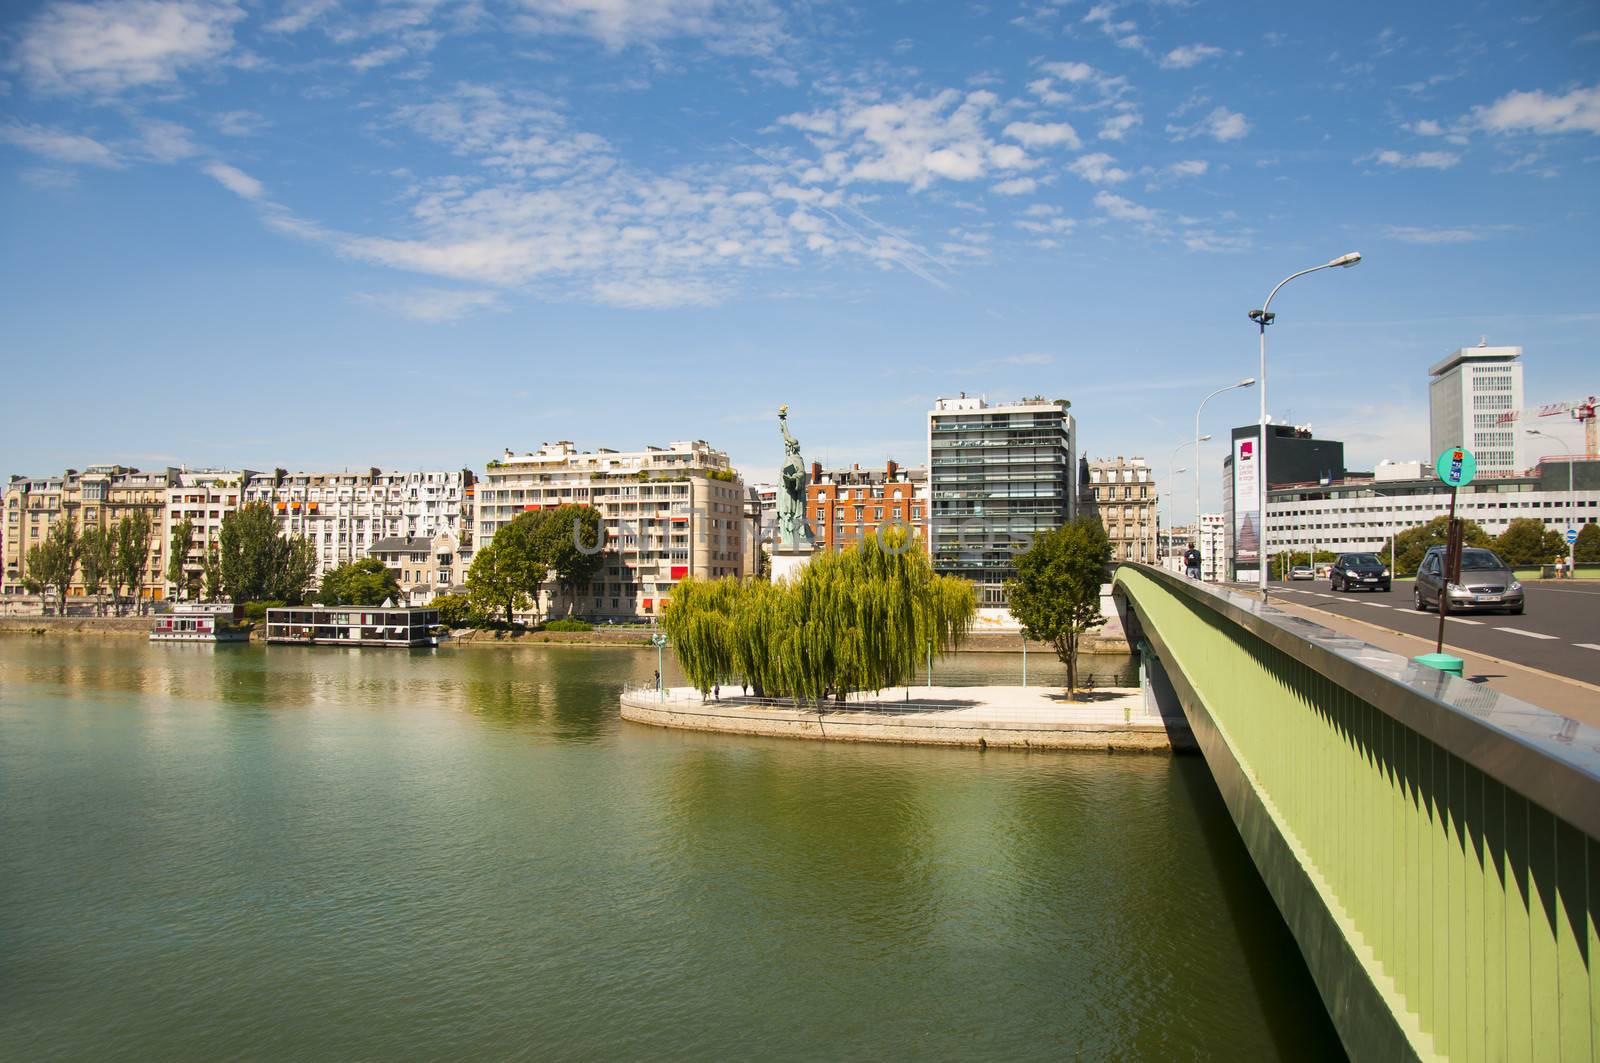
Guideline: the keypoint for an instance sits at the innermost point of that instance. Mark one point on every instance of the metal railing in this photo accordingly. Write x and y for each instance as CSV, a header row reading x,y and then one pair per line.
x,y
1434,846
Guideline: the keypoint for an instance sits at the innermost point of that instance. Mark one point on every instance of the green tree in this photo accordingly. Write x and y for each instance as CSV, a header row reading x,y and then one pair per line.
x,y
1411,544
506,574
257,564
177,559
211,574
455,610
52,562
133,535
1056,595
859,619
1527,541
365,582
563,541
97,559
1587,547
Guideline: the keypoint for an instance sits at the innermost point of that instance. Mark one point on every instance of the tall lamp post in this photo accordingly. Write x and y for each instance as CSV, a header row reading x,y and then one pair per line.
x,y
1572,548
1247,382
1172,475
1263,318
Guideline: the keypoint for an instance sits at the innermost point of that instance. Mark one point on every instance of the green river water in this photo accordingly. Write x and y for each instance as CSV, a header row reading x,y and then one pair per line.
x,y
322,854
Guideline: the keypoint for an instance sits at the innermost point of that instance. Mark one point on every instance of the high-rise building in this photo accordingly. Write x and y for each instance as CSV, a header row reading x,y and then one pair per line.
x,y
845,505
998,476
1122,493
1293,457
669,513
1467,396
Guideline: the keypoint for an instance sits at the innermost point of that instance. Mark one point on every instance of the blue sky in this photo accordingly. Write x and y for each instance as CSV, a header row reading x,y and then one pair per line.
x,y
317,233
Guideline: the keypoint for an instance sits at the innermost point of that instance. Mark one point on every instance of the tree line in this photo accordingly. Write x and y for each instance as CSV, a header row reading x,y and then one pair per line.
x,y
851,620
1526,541
564,544
105,556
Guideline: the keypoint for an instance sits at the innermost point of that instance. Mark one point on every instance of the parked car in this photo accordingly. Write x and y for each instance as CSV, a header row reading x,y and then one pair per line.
x,y
1358,572
1301,572
1486,582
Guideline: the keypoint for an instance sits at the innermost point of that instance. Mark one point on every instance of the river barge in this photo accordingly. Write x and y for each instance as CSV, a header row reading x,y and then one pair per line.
x,y
353,625
201,623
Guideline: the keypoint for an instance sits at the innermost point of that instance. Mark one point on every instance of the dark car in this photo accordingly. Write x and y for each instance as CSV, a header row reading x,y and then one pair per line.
x,y
1486,582
1358,572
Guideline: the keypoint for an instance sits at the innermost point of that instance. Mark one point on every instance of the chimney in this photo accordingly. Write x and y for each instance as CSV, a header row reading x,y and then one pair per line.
x,y
890,469
816,472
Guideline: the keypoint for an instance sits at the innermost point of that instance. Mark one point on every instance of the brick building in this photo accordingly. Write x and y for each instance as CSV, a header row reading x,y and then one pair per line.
x,y
844,505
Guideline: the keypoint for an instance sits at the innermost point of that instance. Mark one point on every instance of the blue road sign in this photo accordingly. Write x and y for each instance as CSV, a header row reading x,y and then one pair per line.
x,y
1572,535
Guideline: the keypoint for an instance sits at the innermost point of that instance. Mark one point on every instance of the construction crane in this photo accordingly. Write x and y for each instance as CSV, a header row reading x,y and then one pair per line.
x,y
1582,411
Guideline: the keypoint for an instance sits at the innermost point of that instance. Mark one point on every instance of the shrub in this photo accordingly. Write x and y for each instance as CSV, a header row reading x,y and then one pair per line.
x,y
257,611
569,624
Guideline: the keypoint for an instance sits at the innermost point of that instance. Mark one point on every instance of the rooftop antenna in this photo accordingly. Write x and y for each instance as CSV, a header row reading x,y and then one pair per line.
x,y
1483,341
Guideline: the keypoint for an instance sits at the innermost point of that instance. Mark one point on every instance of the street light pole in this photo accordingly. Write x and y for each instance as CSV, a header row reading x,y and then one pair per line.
x,y
1172,479
1247,382
1263,318
1572,548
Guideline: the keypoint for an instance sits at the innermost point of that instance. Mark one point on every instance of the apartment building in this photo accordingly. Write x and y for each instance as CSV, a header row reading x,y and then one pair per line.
x,y
668,513
845,505
203,497
100,496
998,476
1213,547
1468,394
1121,492
424,567
344,514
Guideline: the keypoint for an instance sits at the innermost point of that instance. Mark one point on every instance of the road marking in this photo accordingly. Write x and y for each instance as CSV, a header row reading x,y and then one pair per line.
x,y
1586,646
1376,605
1319,594
1464,620
1529,634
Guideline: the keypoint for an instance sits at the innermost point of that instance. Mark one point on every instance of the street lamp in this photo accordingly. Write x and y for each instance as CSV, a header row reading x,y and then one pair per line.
x,y
1247,382
1572,548
1263,318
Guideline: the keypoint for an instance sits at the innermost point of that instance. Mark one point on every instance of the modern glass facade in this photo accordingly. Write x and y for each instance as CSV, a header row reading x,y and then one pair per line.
x,y
999,475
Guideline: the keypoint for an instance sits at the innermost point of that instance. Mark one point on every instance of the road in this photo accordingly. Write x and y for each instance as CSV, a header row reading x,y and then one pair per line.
x,y
1559,632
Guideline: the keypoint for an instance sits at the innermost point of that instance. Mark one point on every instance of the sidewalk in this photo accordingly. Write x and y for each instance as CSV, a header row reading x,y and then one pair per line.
x,y
1569,697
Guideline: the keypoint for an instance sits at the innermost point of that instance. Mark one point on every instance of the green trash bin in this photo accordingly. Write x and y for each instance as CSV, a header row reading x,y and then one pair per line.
x,y
1442,661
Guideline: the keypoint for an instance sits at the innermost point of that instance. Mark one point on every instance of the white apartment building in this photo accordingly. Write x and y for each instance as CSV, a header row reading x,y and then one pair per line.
x,y
1361,514
668,512
203,497
1469,392
345,513
1213,547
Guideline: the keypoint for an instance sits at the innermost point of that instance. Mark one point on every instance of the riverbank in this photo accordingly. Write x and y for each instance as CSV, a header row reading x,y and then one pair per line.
x,y
1114,720
92,626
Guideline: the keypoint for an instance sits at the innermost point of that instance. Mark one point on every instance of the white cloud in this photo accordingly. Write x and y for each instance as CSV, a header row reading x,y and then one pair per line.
x,y
1017,186
519,136
1221,125
1534,112
655,293
1117,126
299,14
59,145
1422,160
377,57
1122,31
239,123
1412,234
165,141
1189,168
1189,55
1122,209
432,305
236,181
1427,127
746,26
1043,135
108,47
1098,169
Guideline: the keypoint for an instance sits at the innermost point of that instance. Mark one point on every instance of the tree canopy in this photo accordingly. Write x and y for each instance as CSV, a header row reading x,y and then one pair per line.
x,y
505,575
97,558
1587,547
133,535
857,619
563,540
1056,594
178,555
1411,544
52,562
364,582
256,563
1527,541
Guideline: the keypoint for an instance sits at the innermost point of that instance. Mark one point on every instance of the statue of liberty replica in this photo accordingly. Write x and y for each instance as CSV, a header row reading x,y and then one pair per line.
x,y
794,540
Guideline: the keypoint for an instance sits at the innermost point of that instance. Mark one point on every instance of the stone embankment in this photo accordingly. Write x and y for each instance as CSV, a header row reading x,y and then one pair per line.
x,y
1118,719
95,626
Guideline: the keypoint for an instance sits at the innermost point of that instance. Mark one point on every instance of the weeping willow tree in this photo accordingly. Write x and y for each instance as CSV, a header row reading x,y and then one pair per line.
x,y
858,619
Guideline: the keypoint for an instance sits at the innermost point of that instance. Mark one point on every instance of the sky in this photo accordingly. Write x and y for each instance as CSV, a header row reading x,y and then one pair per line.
x,y
324,234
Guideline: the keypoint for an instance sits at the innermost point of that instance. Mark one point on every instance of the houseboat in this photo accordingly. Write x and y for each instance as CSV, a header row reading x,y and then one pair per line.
x,y
201,623
353,625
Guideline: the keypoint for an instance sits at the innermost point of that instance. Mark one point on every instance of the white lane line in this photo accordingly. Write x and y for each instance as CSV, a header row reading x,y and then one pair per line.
x,y
1376,605
1586,646
1464,620
1529,634
1319,594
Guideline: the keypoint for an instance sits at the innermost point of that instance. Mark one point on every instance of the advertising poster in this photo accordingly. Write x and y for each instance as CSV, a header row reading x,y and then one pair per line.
x,y
1246,504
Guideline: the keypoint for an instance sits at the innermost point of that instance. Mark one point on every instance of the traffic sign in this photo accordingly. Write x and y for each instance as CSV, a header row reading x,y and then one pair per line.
x,y
1456,466
1572,535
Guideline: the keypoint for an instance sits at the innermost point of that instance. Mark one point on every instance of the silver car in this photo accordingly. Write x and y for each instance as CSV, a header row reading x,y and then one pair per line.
x,y
1486,582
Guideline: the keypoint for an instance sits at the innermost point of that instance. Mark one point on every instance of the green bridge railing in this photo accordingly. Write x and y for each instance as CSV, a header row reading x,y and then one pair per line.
x,y
1431,844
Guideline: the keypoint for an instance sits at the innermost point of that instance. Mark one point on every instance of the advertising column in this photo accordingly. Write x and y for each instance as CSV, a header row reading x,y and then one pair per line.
x,y
1246,511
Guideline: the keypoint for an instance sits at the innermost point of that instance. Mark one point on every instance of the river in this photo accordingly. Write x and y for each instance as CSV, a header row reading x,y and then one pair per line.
x,y
324,854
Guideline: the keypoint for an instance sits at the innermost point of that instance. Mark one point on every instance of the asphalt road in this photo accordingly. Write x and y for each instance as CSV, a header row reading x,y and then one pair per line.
x,y
1559,632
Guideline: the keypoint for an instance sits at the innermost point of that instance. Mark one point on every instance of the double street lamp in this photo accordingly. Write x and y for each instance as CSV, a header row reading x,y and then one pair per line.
x,y
1263,318
1572,548
1172,481
1247,382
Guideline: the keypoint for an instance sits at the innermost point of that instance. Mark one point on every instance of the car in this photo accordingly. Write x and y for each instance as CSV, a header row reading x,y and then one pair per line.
x,y
1353,572
1301,572
1486,583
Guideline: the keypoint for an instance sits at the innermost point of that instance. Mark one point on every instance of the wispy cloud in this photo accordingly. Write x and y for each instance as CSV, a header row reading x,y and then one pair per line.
x,y
432,305
234,180
1577,111
109,47
1466,234
1421,160
59,145
1189,55
1220,124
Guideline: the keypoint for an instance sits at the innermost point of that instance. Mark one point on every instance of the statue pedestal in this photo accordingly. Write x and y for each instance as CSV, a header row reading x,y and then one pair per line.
x,y
789,562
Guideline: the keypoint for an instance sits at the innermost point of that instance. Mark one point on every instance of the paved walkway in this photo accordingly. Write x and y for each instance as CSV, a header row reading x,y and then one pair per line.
x,y
1569,697
1027,717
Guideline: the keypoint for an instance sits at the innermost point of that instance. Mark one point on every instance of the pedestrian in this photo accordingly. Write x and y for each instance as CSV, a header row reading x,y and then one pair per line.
x,y
658,680
1559,562
1191,562
716,693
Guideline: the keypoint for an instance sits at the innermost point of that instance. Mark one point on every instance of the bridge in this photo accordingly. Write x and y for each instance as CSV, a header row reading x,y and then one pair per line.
x,y
1433,846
